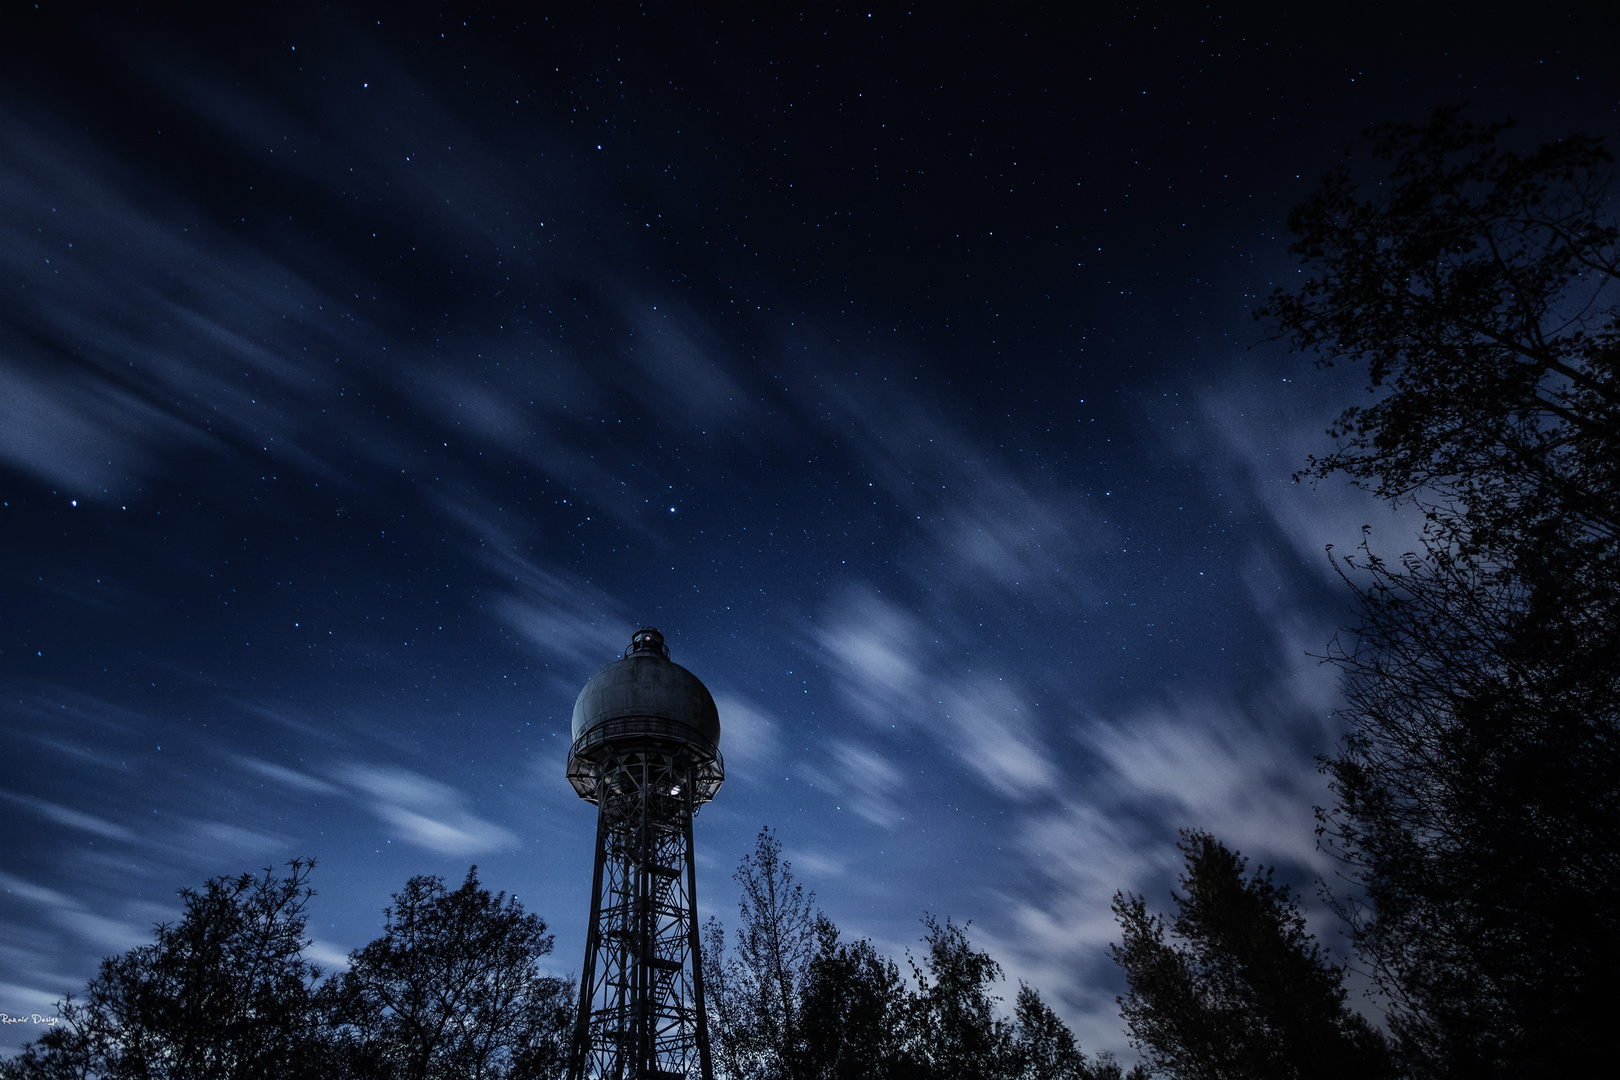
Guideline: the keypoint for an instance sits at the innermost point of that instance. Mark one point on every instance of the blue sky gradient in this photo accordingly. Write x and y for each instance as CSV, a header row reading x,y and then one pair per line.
x,y
367,376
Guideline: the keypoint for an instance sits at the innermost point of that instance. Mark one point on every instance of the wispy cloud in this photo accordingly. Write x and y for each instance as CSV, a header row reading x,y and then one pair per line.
x,y
861,778
675,373
73,819
70,914
751,738
78,433
1255,438
27,891
425,812
564,619
114,363
1213,768
292,778
893,670
870,784
328,956
217,836
818,864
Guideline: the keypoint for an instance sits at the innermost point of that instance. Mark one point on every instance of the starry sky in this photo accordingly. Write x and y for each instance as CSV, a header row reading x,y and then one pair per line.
x,y
368,374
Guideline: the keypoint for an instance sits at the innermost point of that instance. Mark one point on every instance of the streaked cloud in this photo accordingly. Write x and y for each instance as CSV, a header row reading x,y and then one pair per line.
x,y
73,819
1255,438
893,670
329,957
425,812
862,781
750,737
69,913
292,778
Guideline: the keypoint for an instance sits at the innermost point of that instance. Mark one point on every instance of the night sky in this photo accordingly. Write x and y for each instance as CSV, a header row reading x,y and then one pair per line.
x,y
368,375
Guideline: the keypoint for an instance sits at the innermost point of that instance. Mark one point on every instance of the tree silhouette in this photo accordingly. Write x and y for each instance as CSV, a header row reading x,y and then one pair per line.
x,y
1478,288
855,1011
959,1033
957,1029
1478,790
796,1000
453,989
755,995
1237,989
223,994
1043,1046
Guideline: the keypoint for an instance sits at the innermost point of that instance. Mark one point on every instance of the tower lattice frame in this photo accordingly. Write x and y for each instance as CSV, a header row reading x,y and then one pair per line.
x,y
641,1013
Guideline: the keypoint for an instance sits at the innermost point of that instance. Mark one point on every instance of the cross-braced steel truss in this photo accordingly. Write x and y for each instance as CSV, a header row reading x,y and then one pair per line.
x,y
641,999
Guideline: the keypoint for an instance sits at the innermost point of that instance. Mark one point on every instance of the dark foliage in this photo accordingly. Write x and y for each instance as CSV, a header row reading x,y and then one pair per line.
x,y
958,1031
1478,791
453,989
1478,288
794,1000
1043,1046
755,995
450,991
856,1011
1478,807
1237,989
224,994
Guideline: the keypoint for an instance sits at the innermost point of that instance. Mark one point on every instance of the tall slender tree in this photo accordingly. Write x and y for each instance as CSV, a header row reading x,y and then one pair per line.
x,y
1043,1046
756,993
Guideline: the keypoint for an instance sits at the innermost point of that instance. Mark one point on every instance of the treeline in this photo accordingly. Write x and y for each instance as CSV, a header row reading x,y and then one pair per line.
x,y
791,999
452,988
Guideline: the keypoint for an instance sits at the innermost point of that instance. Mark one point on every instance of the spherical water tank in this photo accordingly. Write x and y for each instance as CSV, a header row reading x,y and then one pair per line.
x,y
644,694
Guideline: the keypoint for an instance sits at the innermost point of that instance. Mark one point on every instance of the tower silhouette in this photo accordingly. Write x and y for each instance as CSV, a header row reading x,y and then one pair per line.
x,y
646,752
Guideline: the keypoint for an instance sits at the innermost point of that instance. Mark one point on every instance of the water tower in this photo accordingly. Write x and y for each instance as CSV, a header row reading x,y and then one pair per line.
x,y
646,752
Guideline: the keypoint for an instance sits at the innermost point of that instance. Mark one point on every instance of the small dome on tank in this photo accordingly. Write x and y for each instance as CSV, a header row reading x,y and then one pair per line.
x,y
645,684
